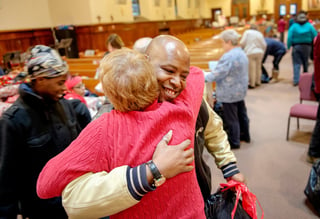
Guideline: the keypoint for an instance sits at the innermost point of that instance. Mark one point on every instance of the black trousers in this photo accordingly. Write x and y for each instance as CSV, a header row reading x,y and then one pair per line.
x,y
237,122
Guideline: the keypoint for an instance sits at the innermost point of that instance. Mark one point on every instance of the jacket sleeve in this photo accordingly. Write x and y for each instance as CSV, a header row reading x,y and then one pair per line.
x,y
10,155
243,40
217,144
82,112
96,195
289,38
222,69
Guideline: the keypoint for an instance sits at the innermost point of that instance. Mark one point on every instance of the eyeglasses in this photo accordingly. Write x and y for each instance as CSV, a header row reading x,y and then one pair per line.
x,y
80,86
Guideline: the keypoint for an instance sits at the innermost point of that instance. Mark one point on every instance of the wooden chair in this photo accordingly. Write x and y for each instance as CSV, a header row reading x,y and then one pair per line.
x,y
304,110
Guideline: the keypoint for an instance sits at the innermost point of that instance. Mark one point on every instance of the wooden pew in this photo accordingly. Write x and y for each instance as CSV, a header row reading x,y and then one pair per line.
x,y
83,72
86,60
83,66
90,84
192,37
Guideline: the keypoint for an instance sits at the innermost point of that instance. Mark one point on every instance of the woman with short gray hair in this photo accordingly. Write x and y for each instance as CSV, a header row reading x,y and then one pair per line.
x,y
231,77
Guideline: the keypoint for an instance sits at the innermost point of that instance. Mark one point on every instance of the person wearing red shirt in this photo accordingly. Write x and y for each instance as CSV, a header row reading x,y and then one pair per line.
x,y
75,89
281,28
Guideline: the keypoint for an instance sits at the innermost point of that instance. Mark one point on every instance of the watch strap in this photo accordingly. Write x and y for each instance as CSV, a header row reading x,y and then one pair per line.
x,y
154,170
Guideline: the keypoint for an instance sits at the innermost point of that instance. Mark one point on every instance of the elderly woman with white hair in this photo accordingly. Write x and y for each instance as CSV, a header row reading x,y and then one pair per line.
x,y
231,77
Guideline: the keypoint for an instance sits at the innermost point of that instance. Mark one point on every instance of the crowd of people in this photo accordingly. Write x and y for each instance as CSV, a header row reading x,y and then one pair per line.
x,y
148,143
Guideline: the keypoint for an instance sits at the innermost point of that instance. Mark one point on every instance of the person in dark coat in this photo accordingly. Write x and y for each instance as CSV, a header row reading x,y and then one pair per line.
x,y
276,49
39,125
300,38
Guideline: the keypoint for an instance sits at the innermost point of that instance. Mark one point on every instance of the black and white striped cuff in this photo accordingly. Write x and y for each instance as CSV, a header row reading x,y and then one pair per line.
x,y
230,170
137,182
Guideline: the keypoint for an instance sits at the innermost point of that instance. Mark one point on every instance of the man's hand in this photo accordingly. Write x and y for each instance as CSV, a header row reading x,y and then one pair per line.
x,y
239,177
174,159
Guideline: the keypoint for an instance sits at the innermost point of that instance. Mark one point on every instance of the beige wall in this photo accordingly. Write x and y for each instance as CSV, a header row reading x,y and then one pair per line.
x,y
162,12
69,12
24,14
106,8
187,11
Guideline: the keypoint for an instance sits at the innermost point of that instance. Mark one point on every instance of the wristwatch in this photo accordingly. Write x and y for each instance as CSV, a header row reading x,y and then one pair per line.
x,y
158,178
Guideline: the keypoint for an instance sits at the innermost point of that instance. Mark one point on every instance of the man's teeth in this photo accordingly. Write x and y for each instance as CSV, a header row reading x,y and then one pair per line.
x,y
170,92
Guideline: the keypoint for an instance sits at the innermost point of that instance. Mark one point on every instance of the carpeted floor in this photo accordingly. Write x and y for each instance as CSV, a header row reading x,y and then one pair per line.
x,y
276,169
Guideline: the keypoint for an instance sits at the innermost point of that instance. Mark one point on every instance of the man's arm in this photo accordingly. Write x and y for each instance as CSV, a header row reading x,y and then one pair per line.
x,y
95,195
217,144
289,37
243,40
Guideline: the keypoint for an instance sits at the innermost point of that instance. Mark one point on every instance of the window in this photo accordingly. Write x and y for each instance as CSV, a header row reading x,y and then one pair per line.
x,y
293,9
283,10
135,8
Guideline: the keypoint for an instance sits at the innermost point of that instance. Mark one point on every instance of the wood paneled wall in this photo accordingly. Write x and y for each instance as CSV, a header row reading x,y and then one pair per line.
x,y
21,40
93,36
314,14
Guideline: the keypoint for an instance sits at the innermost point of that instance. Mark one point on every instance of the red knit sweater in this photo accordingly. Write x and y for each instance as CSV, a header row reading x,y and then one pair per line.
x,y
116,139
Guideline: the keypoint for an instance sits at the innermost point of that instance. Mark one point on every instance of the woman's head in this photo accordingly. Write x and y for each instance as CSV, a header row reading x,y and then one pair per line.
x,y
128,80
47,71
75,85
230,37
114,42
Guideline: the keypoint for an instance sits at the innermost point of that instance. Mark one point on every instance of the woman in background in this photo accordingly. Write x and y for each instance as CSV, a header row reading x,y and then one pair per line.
x,y
114,42
231,76
75,89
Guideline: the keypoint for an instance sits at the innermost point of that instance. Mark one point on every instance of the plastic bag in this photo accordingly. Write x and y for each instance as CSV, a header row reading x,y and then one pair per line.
x,y
312,190
227,204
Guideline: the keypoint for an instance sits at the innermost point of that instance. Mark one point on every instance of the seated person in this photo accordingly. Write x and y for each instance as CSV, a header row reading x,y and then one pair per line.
x,y
114,42
75,89
138,122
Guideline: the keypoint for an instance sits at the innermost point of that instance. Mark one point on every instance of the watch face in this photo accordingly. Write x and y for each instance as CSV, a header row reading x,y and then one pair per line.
x,y
160,181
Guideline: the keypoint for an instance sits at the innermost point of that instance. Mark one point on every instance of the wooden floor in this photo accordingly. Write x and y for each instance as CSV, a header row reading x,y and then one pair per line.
x,y
276,169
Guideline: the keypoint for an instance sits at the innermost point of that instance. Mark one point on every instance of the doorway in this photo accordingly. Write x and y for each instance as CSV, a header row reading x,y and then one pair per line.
x,y
215,12
240,9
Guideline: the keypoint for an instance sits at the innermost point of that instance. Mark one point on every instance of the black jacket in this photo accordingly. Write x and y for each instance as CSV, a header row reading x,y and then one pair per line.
x,y
32,132
202,170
